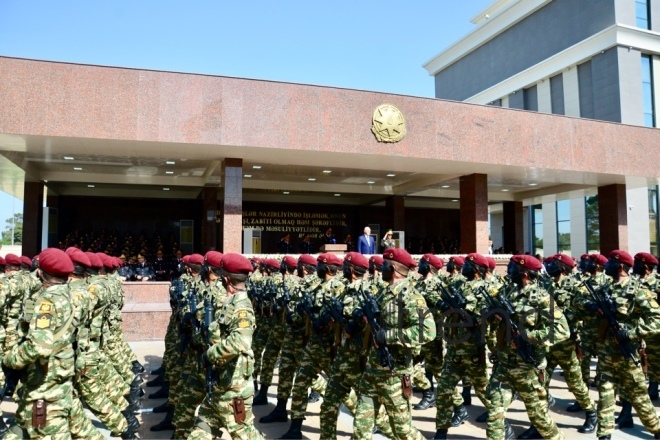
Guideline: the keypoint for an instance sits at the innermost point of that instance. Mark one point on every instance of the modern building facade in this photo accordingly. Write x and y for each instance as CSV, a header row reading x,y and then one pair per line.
x,y
593,59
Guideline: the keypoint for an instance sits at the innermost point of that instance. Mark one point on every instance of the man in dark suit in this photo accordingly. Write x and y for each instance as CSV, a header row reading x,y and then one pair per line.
x,y
366,243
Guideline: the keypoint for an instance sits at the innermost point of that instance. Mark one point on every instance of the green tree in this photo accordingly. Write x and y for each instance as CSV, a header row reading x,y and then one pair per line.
x,y
593,225
14,223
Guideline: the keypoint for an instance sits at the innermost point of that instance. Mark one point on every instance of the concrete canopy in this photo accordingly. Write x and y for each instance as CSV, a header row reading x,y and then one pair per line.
x,y
73,126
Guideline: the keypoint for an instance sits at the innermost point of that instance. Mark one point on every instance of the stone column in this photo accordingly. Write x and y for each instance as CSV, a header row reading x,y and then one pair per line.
x,y
33,212
232,222
513,237
474,213
612,218
209,227
395,207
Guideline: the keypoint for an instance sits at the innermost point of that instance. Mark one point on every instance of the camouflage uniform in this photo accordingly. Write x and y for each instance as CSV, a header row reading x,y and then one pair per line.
x,y
512,373
588,324
466,353
639,313
48,343
380,385
232,358
652,284
278,329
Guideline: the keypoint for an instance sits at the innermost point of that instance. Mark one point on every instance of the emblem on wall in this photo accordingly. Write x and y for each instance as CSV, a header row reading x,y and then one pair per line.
x,y
388,124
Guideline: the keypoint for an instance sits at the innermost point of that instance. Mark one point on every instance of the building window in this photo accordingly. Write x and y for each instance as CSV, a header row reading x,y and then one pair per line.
x,y
654,231
530,99
537,229
564,226
593,224
647,90
643,14
557,94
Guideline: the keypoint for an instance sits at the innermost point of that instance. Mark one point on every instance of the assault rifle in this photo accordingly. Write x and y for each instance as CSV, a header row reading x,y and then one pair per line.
x,y
372,313
501,303
452,296
208,319
306,306
189,324
336,311
603,298
176,293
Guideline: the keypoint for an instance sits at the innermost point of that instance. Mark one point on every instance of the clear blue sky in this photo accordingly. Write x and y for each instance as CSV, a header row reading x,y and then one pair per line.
x,y
369,45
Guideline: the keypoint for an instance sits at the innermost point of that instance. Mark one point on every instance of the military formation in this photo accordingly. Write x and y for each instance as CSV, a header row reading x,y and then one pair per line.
x,y
363,332
62,347
354,330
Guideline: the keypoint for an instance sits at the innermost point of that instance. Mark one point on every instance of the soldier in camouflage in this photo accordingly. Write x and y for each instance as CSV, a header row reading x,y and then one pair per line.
x,y
229,406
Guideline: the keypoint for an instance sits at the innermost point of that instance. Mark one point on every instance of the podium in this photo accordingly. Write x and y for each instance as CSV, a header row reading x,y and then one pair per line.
x,y
334,248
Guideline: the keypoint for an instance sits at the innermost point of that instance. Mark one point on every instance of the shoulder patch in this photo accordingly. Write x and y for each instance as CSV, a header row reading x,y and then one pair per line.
x,y
243,321
46,307
43,321
420,302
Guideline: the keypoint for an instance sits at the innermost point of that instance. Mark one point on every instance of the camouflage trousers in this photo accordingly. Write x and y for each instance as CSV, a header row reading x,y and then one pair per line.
x,y
433,354
272,352
588,338
91,387
563,354
259,341
115,386
615,371
113,350
510,374
58,415
456,368
217,413
344,378
80,425
191,390
383,390
292,350
315,360
653,353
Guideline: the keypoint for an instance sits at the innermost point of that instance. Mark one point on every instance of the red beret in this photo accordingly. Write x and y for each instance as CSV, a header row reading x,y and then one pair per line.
x,y
12,259
457,259
26,260
70,250
433,260
329,258
491,262
255,260
357,259
585,256
622,256
186,259
563,258
116,262
307,259
94,260
2,262
376,259
271,262
235,263
290,261
477,259
400,256
195,259
214,258
55,262
646,258
600,259
78,257
528,261
107,262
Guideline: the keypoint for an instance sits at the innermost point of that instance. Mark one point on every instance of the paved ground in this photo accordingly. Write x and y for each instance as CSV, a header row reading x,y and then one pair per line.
x,y
150,354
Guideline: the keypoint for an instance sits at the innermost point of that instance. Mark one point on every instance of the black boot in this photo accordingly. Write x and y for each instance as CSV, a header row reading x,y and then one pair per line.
x,y
157,382
261,398
551,401
656,435
508,431
313,397
460,416
166,424
589,424
162,408
532,432
133,422
158,371
440,434
137,367
653,390
575,407
483,418
605,437
428,400
295,430
467,396
625,419
256,386
162,393
278,414
3,427
129,435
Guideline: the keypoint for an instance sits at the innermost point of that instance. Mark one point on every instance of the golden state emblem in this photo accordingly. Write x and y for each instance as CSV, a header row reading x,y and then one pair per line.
x,y
388,124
